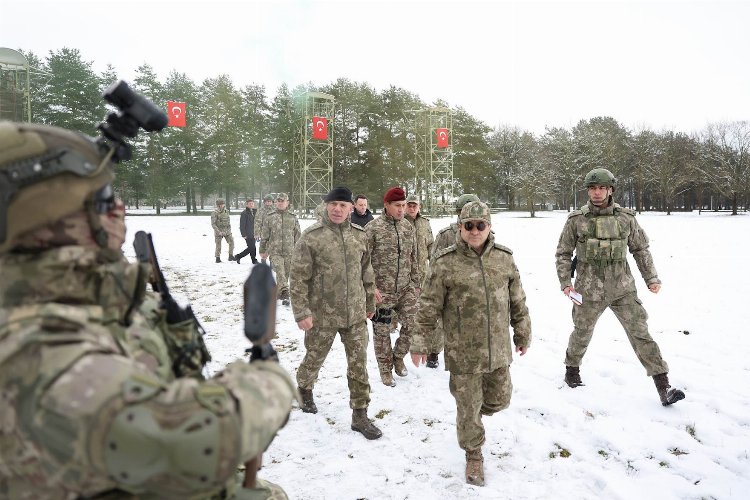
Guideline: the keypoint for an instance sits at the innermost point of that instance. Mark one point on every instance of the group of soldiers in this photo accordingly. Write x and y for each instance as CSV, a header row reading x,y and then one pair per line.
x,y
102,386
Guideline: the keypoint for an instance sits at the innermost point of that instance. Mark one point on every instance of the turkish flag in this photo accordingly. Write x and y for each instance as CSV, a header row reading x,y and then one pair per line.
x,y
442,137
176,113
320,127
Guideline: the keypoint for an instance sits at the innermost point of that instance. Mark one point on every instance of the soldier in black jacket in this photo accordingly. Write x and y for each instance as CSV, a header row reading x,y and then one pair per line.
x,y
247,222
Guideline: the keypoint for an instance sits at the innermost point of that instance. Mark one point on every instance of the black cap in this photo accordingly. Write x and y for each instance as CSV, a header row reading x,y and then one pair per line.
x,y
340,193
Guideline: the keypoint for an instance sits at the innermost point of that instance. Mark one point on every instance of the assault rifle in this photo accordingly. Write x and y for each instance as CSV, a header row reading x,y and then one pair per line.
x,y
260,328
145,253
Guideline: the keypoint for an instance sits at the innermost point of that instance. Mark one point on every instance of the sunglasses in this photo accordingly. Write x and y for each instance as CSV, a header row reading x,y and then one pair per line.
x,y
481,225
280,199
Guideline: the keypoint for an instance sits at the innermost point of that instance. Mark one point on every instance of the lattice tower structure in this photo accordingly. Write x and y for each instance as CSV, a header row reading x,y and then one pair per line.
x,y
15,93
434,180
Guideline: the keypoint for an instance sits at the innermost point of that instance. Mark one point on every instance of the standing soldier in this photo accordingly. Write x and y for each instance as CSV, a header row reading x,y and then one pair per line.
x,y
333,287
222,230
280,234
392,244
261,216
475,287
600,234
423,231
247,230
445,238
102,392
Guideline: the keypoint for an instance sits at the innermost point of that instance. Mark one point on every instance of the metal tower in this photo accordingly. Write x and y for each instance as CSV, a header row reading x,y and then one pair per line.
x,y
15,94
313,150
433,131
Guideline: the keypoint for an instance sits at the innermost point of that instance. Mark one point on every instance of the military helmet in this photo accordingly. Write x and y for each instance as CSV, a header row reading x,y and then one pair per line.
x,y
46,173
464,199
600,177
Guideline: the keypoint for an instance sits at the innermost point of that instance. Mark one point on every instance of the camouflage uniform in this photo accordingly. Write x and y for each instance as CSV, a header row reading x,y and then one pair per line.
x,y
392,244
222,230
475,296
332,281
260,216
425,241
280,233
445,238
89,388
601,237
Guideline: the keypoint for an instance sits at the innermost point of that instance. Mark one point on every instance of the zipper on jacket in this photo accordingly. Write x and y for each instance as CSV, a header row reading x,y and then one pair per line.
x,y
346,275
398,248
487,298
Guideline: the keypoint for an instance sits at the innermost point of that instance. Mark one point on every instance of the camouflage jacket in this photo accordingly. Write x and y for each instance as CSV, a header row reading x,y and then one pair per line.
x,y
445,238
331,277
220,222
90,400
476,296
260,216
280,233
425,240
393,247
606,280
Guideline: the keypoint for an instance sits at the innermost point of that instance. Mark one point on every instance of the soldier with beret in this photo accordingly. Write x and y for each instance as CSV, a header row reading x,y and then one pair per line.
x,y
475,287
332,288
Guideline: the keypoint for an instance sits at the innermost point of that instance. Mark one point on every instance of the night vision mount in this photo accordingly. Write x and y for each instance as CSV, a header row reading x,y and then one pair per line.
x,y
134,112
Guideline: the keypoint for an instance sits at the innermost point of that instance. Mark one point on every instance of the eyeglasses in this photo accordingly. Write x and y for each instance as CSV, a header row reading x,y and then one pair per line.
x,y
481,225
280,199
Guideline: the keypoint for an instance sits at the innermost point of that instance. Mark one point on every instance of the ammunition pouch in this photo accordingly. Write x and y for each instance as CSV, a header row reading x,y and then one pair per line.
x,y
605,243
383,315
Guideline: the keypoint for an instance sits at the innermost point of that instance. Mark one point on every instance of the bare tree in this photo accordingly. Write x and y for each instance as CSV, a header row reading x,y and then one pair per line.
x,y
727,144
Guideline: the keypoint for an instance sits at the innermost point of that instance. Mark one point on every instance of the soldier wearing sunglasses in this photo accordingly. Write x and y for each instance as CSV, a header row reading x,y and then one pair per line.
x,y
475,288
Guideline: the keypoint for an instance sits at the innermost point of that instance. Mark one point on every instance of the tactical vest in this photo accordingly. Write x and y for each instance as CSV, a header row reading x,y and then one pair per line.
x,y
604,241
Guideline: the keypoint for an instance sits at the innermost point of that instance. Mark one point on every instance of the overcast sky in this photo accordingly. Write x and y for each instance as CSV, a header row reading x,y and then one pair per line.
x,y
670,64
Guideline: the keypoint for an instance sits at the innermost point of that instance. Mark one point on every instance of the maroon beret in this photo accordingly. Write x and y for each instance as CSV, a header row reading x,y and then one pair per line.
x,y
394,194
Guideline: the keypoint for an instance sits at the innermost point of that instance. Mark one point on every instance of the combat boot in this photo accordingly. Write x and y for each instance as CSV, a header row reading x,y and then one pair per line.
x,y
400,367
308,401
230,258
237,258
573,376
387,378
667,395
284,297
475,468
432,360
361,423
218,260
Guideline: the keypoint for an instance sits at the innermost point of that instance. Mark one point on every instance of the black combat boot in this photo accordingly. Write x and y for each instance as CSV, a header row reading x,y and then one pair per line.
x,y
218,260
667,395
432,360
230,258
573,376
308,402
237,258
361,423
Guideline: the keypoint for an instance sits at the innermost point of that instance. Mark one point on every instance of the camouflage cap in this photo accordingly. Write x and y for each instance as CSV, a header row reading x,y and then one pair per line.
x,y
46,173
282,196
412,198
476,210
220,201
268,197
464,199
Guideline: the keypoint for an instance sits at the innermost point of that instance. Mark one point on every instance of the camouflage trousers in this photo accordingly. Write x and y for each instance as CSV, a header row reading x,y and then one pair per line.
x,y
282,264
404,307
478,394
632,315
217,242
318,342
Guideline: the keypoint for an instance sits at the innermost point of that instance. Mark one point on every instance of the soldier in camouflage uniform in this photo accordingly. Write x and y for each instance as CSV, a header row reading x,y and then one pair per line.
x,y
600,234
445,238
393,245
222,230
100,380
423,231
333,288
261,216
280,233
475,287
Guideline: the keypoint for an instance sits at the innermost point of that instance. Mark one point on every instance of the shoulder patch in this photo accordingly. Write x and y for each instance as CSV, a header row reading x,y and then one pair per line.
x,y
503,248
628,211
445,251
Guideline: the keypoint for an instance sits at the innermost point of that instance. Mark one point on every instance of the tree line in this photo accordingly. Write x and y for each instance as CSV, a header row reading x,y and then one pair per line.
x,y
238,144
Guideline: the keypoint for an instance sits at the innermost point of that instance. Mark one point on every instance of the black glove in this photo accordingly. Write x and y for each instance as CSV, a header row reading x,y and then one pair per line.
x,y
175,313
382,315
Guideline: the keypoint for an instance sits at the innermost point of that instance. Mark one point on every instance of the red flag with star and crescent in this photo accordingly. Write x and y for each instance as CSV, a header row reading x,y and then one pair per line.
x,y
320,128
176,114
442,137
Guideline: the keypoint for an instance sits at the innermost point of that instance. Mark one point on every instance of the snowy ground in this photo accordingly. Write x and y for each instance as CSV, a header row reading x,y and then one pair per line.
x,y
609,439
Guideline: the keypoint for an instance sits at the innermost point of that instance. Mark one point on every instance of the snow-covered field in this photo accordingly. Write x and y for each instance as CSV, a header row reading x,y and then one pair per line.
x,y
608,439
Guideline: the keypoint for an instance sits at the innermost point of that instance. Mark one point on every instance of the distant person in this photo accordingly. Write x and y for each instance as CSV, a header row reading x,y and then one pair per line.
x,y
261,215
332,287
475,287
601,233
280,233
361,215
247,230
392,244
222,230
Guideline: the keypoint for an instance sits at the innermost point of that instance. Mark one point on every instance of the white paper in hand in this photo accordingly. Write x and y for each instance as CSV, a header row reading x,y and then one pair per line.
x,y
576,297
